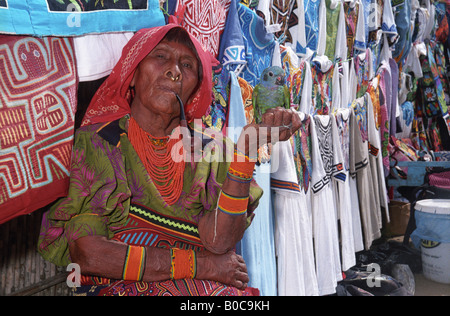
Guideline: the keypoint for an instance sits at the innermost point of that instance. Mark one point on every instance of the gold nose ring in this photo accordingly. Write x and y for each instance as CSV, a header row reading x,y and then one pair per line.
x,y
173,78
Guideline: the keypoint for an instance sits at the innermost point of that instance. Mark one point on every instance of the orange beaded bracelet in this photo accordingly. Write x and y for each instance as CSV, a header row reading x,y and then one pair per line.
x,y
232,205
134,266
183,264
242,165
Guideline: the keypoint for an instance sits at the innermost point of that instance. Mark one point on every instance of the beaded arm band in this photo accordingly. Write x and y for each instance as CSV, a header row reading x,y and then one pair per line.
x,y
183,264
232,205
240,170
134,266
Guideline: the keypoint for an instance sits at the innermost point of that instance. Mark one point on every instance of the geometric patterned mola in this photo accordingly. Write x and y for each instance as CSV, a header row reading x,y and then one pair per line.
x,y
38,86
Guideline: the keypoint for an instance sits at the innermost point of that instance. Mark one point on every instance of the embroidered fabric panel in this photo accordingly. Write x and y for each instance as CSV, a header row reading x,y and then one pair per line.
x,y
37,106
92,286
68,17
146,227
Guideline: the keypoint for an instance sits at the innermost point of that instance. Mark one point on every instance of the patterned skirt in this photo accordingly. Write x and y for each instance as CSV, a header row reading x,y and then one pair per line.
x,y
149,228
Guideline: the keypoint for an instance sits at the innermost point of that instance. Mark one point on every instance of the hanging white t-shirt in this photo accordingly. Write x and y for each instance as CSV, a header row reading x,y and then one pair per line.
x,y
343,125
376,160
326,240
293,227
343,201
359,166
97,54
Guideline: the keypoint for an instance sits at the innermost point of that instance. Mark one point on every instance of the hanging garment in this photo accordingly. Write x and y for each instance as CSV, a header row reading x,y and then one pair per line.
x,y
375,95
413,61
205,20
232,46
364,72
340,75
107,48
237,119
263,10
406,118
259,45
37,112
74,18
341,38
352,81
289,62
257,246
395,107
247,92
361,30
282,13
322,72
433,98
326,240
388,21
376,48
431,21
385,86
300,84
215,117
359,166
402,20
375,17
343,126
311,23
376,162
343,201
297,29
333,9
322,34
351,10
293,227
366,4
302,154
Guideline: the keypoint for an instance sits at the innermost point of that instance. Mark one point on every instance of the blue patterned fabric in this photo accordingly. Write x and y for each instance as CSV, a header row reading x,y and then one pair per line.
x,y
232,46
69,17
312,23
259,45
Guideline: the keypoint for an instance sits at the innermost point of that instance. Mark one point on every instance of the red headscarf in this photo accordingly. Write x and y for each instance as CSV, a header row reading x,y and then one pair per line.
x,y
112,99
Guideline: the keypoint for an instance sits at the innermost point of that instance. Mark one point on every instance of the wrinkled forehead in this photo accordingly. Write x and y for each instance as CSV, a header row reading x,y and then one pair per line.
x,y
181,36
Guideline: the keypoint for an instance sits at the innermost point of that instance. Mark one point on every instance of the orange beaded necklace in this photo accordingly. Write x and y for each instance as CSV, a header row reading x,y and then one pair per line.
x,y
156,155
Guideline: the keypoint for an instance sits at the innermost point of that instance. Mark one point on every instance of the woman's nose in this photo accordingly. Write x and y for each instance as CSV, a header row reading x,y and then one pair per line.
x,y
174,73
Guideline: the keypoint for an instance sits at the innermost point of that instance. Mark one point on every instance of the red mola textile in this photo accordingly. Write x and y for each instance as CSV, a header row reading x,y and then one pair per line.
x,y
37,106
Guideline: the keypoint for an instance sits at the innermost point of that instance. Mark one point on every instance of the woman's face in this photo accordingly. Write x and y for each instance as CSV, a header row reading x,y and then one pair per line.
x,y
171,68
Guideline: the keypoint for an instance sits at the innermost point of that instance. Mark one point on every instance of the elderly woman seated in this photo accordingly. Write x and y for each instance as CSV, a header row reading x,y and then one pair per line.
x,y
144,216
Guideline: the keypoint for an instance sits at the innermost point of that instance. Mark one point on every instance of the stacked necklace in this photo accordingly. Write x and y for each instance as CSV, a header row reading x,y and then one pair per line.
x,y
156,155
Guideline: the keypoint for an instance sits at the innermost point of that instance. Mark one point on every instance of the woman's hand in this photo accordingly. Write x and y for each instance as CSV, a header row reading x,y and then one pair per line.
x,y
278,124
228,268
